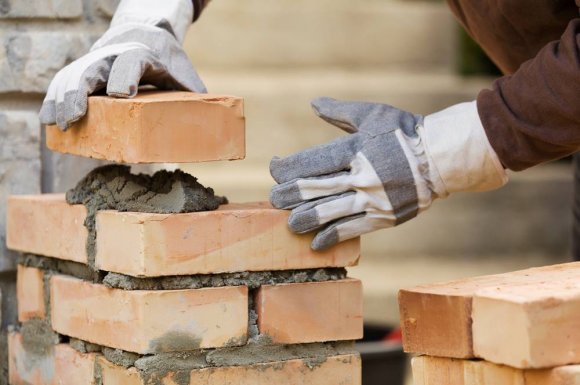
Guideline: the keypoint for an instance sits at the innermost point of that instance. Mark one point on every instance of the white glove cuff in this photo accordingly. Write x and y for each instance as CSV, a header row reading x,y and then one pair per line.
x,y
459,151
179,14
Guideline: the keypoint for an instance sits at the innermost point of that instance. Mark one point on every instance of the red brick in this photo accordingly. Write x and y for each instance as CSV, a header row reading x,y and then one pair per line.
x,y
154,127
47,225
337,370
147,322
30,293
59,365
311,312
437,319
237,237
448,371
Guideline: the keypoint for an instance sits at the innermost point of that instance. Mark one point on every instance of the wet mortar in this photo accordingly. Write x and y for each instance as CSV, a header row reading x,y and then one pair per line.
x,y
114,187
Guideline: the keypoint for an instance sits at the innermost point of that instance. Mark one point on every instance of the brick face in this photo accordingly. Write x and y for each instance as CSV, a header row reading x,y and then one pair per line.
x,y
337,370
311,312
30,293
57,365
60,9
237,237
149,321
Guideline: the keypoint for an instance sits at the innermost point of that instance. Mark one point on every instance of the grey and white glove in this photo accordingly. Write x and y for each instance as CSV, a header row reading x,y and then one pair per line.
x,y
142,46
389,169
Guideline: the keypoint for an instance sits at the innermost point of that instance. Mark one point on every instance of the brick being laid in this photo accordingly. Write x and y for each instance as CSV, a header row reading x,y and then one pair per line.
x,y
475,317
148,322
51,365
295,313
30,293
172,127
236,237
429,370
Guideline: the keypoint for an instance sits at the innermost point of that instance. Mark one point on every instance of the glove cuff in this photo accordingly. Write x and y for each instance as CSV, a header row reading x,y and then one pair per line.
x,y
459,151
177,13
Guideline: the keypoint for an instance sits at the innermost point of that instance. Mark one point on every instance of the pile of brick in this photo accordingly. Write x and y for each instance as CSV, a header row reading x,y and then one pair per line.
x,y
520,328
225,297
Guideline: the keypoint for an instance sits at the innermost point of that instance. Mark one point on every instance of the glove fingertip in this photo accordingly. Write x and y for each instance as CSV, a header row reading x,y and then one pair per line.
x,y
325,239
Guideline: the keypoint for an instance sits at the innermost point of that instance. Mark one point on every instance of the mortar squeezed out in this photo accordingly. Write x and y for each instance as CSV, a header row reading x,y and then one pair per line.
x,y
113,187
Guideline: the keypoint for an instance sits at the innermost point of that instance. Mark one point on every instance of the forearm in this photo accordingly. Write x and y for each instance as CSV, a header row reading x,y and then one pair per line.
x,y
533,116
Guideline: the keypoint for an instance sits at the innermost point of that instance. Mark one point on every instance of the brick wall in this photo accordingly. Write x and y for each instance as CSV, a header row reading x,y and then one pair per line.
x,y
37,38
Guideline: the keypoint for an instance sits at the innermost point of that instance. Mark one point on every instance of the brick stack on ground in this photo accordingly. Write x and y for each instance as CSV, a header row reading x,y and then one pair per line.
x,y
218,297
520,328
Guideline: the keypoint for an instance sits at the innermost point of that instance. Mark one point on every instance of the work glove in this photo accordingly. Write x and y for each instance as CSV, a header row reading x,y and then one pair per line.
x,y
390,168
142,46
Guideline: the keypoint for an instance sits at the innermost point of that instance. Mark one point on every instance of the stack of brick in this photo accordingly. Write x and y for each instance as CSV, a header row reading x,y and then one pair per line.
x,y
520,328
220,297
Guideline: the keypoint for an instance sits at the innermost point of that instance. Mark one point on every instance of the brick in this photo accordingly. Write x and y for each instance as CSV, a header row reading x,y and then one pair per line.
x,y
155,127
237,237
59,365
438,371
20,171
311,312
47,225
148,322
112,374
342,369
30,60
60,9
30,293
539,323
437,319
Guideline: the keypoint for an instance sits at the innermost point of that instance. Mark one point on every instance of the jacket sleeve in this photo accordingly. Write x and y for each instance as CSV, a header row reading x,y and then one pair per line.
x,y
533,115
198,6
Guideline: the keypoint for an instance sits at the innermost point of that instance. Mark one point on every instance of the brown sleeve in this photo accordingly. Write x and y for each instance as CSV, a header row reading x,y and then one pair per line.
x,y
533,116
514,31
198,6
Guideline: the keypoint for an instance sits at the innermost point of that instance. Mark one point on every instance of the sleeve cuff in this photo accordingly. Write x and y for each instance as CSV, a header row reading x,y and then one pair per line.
x,y
459,151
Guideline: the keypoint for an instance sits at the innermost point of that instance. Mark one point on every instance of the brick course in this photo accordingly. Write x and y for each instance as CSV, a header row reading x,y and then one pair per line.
x,y
148,322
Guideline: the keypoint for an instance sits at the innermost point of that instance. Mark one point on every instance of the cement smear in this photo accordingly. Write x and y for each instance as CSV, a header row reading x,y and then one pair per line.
x,y
253,280
155,368
53,265
38,339
84,347
113,187
120,357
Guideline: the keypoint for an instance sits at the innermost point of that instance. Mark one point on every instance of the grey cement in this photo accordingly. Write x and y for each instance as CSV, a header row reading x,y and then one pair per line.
x,y
38,338
120,357
84,347
113,187
53,265
154,368
252,280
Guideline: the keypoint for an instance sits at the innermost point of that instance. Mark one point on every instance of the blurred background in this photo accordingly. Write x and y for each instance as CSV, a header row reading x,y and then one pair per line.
x,y
279,55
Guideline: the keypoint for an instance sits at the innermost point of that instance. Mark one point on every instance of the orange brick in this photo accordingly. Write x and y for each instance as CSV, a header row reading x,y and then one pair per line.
x,y
30,293
60,365
112,374
337,370
448,371
539,323
437,319
147,322
156,127
311,312
46,225
237,237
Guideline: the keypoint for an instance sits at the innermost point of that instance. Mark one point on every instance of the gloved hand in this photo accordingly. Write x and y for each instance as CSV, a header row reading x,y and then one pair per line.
x,y
390,168
142,46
